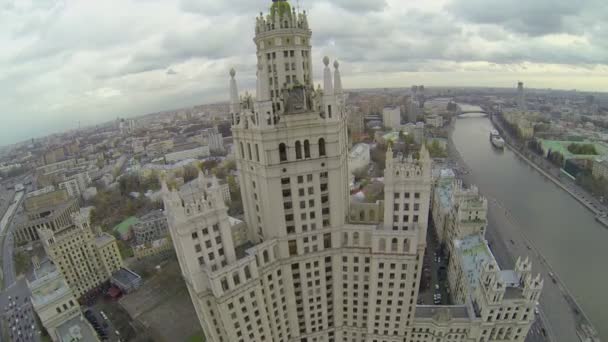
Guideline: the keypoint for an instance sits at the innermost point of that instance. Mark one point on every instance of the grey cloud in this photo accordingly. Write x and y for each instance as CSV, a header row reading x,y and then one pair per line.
x,y
249,7
361,5
530,17
171,72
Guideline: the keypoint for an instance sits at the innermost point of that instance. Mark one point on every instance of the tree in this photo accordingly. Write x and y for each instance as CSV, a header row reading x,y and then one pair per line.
x,y
556,158
535,146
378,156
435,150
583,149
190,173
360,174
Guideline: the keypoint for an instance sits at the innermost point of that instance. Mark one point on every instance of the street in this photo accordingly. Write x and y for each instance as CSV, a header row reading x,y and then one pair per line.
x,y
18,315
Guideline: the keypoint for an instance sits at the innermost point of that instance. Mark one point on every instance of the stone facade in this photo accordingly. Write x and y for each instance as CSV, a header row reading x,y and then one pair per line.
x,y
84,259
150,227
311,266
50,210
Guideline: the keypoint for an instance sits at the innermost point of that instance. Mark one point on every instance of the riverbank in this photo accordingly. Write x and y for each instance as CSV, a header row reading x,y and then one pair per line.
x,y
583,326
560,314
572,189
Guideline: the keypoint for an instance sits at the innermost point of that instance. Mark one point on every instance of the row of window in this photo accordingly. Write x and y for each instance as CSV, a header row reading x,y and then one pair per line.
x,y
298,148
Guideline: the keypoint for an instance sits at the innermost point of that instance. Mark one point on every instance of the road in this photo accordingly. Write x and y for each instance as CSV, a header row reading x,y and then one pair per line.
x,y
6,230
17,312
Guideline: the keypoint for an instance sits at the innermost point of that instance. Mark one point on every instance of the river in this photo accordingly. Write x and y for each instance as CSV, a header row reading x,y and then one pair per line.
x,y
564,231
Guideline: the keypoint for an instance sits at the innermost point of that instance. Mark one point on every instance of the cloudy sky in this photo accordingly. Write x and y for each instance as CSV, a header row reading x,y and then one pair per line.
x,y
68,61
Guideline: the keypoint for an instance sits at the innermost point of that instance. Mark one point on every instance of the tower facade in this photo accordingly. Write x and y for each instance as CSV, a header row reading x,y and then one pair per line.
x,y
313,267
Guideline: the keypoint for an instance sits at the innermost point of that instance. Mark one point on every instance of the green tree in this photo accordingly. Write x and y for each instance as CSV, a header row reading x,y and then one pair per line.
x,y
435,150
190,173
583,149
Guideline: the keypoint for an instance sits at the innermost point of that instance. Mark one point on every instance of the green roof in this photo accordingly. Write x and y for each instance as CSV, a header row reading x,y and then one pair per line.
x,y
562,147
282,6
123,227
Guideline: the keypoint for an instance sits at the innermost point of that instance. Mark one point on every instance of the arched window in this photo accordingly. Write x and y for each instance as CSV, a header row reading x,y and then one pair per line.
x,y
247,272
372,215
382,245
249,151
242,151
394,245
306,149
282,152
265,256
321,147
406,245
356,239
344,239
298,150
362,216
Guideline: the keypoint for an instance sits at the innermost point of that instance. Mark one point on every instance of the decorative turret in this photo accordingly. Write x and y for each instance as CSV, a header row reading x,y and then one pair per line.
x,y
328,88
337,79
234,98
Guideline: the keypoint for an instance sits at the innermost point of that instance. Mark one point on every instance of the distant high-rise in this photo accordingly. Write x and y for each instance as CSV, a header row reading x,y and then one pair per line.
x,y
521,96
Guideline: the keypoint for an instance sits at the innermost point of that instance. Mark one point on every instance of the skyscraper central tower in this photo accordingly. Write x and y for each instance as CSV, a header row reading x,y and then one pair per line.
x,y
310,266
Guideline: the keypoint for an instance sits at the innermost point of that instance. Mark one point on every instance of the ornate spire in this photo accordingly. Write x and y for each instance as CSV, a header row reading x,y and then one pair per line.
x,y
234,93
328,88
337,79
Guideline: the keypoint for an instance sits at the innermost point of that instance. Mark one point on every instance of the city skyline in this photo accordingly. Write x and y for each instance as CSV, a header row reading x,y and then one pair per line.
x,y
60,70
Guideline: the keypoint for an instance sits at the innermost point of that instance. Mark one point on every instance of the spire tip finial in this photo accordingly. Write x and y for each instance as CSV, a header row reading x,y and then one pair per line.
x,y
232,72
326,60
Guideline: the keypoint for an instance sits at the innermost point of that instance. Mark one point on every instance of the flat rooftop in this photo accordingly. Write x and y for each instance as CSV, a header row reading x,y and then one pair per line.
x,y
240,251
104,239
48,284
453,311
444,190
76,329
125,276
474,252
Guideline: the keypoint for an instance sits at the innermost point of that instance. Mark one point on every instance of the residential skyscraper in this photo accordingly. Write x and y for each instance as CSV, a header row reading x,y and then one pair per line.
x,y
84,259
314,266
521,96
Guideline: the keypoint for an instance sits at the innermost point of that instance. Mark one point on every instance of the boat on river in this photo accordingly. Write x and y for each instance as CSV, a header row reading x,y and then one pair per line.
x,y
496,140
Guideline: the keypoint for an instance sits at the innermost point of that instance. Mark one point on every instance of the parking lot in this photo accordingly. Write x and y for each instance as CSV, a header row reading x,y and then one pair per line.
x,y
19,320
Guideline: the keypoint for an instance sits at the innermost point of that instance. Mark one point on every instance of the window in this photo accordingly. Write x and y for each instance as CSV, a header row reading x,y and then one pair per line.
x,y
306,149
327,240
293,247
321,147
242,151
257,153
282,152
249,150
394,245
298,148
265,256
